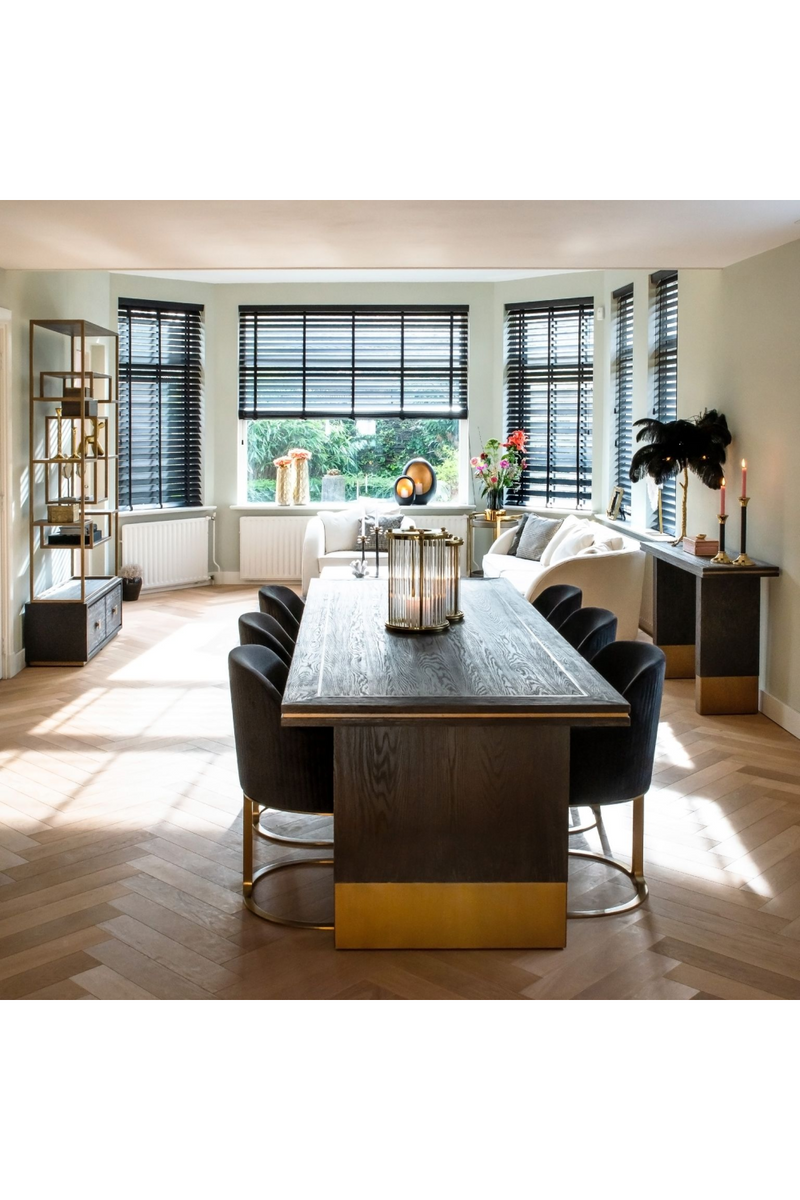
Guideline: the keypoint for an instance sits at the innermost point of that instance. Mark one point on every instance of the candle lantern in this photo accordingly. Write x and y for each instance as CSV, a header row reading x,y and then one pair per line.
x,y
404,489
453,578
418,572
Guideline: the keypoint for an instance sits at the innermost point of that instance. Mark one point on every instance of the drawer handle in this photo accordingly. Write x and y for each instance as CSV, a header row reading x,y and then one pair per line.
x,y
97,624
114,611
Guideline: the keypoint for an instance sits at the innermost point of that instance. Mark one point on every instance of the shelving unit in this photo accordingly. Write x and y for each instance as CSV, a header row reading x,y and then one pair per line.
x,y
74,499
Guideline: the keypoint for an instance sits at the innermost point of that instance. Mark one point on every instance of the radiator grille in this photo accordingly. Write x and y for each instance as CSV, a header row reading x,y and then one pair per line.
x,y
171,553
271,548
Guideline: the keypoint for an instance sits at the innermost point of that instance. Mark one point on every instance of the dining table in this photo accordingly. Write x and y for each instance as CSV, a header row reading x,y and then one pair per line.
x,y
451,764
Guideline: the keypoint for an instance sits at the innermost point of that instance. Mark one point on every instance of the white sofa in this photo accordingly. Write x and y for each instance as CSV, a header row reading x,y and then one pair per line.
x,y
607,566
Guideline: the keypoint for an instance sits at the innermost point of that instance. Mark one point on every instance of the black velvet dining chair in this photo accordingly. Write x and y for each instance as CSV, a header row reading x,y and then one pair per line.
x,y
288,770
260,629
589,630
615,765
283,604
557,602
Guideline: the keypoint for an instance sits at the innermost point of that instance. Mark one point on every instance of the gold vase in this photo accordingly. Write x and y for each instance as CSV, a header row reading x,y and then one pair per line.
x,y
284,484
302,490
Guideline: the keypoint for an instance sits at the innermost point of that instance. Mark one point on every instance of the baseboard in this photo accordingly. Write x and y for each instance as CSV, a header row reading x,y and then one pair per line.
x,y
177,587
788,718
13,664
234,579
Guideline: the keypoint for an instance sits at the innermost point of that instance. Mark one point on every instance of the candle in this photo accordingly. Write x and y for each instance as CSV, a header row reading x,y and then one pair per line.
x,y
744,476
722,499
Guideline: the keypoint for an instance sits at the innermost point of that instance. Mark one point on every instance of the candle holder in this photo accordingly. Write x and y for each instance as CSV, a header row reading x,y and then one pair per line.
x,y
722,557
453,578
743,559
418,577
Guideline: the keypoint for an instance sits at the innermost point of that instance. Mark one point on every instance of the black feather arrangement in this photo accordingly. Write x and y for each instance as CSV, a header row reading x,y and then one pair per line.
x,y
697,445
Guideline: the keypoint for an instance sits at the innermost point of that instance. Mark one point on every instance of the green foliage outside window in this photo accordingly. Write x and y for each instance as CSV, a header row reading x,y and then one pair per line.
x,y
369,461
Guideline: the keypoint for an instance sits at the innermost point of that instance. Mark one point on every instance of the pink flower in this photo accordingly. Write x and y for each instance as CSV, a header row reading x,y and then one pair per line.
x,y
473,462
493,479
504,464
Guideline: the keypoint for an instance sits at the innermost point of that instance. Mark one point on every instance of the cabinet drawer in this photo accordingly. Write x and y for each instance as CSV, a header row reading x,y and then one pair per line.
x,y
95,624
113,611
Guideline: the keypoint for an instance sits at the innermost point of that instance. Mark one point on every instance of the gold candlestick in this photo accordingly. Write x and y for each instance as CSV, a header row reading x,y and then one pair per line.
x,y
722,557
743,559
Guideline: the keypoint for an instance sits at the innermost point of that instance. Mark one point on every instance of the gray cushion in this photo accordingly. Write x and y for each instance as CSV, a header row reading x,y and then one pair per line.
x,y
518,534
536,534
387,521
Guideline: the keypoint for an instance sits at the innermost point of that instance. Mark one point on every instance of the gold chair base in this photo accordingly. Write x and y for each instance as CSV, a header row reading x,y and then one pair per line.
x,y
638,882
271,869
271,836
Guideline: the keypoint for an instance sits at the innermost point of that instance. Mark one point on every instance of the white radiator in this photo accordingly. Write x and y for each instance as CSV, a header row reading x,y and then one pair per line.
x,y
271,548
171,553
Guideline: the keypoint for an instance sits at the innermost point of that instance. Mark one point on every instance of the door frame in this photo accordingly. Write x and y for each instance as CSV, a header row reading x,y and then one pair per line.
x,y
8,657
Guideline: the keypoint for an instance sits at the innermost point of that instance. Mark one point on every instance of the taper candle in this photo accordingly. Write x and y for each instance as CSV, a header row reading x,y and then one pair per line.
x,y
744,476
722,499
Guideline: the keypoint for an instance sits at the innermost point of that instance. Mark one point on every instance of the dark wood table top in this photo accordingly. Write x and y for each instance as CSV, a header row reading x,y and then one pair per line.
x,y
502,662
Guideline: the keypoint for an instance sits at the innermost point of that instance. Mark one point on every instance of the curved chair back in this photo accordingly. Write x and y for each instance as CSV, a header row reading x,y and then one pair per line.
x,y
274,607
260,629
610,766
289,769
589,630
557,602
289,599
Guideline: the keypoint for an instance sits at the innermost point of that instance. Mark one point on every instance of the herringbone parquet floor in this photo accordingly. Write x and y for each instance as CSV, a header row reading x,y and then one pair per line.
x,y
120,833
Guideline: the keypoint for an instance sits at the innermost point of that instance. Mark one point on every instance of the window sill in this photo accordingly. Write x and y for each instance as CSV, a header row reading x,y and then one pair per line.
x,y
635,531
310,510
147,514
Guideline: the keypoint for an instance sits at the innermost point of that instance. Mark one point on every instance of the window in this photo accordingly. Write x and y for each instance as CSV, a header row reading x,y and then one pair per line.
x,y
160,404
363,388
549,367
623,394
665,376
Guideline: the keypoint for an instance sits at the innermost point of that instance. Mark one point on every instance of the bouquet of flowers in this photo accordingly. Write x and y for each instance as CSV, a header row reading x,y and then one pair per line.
x,y
499,465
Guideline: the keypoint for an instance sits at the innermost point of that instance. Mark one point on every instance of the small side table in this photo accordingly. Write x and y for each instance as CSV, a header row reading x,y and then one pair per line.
x,y
478,520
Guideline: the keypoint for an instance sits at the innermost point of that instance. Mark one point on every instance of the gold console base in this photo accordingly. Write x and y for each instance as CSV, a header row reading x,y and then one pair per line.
x,y
680,661
725,694
457,916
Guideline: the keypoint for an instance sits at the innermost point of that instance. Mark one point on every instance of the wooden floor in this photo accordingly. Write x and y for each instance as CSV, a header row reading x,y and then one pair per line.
x,y
120,836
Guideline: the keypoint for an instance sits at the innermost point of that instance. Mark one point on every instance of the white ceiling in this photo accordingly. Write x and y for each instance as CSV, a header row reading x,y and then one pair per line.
x,y
431,235
398,275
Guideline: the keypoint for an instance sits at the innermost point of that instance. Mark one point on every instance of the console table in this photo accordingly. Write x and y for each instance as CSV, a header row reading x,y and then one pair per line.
x,y
451,764
706,619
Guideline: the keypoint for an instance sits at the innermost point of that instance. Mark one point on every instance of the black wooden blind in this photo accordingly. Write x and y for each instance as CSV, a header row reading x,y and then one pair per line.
x,y
665,395
623,393
353,361
160,404
549,366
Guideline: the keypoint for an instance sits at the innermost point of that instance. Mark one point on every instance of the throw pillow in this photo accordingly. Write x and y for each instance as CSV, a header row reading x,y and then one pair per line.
x,y
387,521
517,535
572,544
341,529
536,534
568,525
612,540
595,548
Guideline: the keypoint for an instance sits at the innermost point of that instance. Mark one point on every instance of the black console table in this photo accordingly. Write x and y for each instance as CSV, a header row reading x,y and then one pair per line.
x,y
706,619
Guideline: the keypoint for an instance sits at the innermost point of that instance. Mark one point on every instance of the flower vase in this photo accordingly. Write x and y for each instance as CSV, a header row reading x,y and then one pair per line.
x,y
302,491
284,484
494,507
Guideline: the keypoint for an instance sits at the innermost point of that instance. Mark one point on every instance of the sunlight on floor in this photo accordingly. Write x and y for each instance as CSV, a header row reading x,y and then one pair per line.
x,y
672,750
